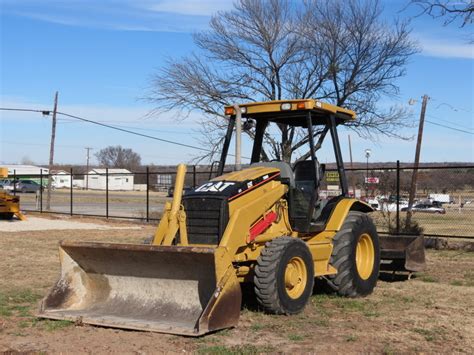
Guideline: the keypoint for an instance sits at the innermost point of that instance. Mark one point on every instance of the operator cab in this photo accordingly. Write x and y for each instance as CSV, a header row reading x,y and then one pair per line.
x,y
308,212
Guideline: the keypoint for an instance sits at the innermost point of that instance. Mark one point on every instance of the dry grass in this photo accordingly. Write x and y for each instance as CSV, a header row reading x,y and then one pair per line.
x,y
433,312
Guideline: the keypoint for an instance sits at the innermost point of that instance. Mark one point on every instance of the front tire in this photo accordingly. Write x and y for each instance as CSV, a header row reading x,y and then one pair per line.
x,y
284,276
356,256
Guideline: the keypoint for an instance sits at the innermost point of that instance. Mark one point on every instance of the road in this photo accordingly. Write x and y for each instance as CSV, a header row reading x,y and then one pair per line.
x,y
121,204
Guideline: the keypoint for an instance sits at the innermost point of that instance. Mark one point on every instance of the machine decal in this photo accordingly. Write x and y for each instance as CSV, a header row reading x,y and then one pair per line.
x,y
231,189
253,184
214,186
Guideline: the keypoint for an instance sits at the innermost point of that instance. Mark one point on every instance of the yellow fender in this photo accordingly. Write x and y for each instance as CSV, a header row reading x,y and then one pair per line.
x,y
340,212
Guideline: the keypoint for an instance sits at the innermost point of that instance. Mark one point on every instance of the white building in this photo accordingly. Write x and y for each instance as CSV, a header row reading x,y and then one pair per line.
x,y
61,179
25,170
119,179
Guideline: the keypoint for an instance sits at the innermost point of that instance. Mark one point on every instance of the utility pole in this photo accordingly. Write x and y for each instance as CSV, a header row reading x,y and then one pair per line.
x,y
417,161
87,167
51,152
352,167
367,155
238,137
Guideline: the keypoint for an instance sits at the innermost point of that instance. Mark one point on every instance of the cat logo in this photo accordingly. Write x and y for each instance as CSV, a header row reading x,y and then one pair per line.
x,y
214,186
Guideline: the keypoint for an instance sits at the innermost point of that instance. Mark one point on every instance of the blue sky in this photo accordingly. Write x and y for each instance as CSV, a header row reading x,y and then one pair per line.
x,y
100,55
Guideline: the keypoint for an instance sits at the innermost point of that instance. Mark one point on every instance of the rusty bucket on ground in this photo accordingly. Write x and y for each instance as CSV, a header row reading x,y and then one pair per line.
x,y
402,253
177,290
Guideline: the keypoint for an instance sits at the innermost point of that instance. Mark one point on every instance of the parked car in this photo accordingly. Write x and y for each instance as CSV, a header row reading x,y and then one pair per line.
x,y
6,184
421,207
27,186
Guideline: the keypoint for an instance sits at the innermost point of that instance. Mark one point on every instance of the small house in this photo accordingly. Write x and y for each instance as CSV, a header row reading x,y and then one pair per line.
x,y
118,179
61,179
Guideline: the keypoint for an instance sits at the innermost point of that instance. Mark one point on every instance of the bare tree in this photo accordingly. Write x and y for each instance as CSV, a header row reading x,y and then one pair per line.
x,y
118,157
450,11
27,161
338,51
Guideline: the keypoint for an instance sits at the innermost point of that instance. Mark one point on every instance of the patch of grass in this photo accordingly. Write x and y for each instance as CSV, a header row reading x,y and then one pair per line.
x,y
257,327
246,349
321,322
427,333
295,337
456,283
469,278
371,313
24,324
427,278
223,332
349,304
351,338
22,311
17,303
388,350
52,325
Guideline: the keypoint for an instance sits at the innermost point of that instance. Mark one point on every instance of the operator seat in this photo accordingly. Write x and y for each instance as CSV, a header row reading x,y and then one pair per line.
x,y
286,173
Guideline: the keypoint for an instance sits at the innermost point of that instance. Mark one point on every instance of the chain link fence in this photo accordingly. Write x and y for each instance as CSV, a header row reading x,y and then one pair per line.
x,y
444,199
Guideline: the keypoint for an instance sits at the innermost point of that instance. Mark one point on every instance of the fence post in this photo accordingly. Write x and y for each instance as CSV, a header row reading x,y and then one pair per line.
x,y
194,176
41,191
14,182
71,196
398,197
147,194
106,192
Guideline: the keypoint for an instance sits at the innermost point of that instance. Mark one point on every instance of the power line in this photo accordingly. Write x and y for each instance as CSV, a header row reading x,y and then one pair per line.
x,y
452,128
457,124
452,107
65,120
47,112
132,132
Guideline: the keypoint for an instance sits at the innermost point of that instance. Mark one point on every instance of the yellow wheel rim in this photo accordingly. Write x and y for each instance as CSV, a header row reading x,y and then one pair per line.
x,y
296,277
365,256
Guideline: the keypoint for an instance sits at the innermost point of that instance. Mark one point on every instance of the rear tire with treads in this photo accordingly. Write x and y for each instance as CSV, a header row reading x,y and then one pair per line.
x,y
284,276
356,256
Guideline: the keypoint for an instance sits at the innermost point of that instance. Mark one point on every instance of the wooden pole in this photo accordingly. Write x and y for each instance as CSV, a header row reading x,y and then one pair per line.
x,y
51,152
87,168
417,162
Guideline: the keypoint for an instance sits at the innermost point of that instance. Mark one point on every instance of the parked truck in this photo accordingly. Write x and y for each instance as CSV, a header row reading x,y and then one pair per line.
x,y
442,198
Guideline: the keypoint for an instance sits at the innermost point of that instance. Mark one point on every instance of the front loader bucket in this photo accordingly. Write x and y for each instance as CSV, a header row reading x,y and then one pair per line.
x,y
402,253
169,289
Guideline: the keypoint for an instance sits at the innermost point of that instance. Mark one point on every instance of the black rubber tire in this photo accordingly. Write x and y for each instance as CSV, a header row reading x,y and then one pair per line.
x,y
269,279
7,215
347,282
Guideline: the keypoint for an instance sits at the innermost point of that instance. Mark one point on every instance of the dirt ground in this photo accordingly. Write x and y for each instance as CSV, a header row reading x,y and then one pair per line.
x,y
433,312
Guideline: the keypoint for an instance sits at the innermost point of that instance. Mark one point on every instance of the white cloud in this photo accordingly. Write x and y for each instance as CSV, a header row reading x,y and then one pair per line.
x,y
120,15
190,7
446,48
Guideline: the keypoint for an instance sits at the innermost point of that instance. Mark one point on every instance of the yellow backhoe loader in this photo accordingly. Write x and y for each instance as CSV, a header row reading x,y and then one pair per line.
x,y
265,225
9,204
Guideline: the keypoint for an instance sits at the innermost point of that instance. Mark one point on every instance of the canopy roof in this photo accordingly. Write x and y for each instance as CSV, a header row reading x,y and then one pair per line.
x,y
293,112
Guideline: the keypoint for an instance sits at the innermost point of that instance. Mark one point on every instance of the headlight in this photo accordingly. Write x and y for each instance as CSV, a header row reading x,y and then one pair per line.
x,y
286,106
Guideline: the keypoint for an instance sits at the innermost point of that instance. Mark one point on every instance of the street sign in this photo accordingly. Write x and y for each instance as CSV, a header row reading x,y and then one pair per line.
x,y
332,176
372,180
